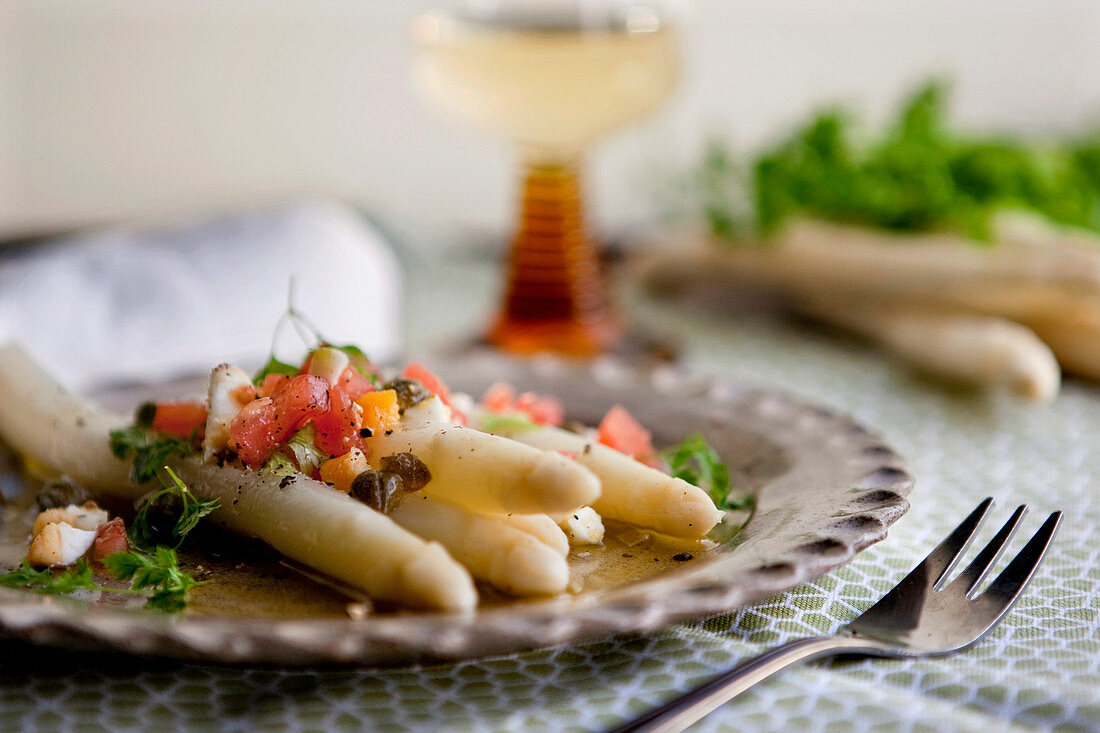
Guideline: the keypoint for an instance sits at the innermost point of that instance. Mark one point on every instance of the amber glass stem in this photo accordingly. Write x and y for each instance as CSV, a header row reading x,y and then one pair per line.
x,y
555,298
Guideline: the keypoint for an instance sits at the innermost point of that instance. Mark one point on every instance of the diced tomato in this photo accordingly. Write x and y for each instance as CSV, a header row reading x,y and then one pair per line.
x,y
427,377
183,419
354,384
338,427
299,399
435,385
251,433
538,408
570,454
619,430
499,398
271,384
266,423
110,538
541,409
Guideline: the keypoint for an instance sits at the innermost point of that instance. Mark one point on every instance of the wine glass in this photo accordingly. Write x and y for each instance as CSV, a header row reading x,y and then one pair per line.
x,y
553,76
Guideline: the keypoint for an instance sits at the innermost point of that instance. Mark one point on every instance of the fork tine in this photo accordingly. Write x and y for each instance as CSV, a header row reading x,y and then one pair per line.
x,y
942,560
977,570
1014,578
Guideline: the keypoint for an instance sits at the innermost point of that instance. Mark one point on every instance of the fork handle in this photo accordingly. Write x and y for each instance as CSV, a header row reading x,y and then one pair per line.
x,y
677,714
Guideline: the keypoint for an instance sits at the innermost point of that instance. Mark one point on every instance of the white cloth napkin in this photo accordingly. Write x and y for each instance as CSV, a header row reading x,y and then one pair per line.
x,y
123,306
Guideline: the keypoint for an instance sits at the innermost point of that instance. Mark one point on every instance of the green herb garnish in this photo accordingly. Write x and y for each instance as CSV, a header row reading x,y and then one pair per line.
x,y
148,449
274,366
917,175
312,338
697,463
174,501
492,422
158,572
78,577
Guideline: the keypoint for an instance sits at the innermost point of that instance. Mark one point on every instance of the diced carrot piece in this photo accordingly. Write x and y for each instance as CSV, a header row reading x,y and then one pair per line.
x,y
380,409
341,471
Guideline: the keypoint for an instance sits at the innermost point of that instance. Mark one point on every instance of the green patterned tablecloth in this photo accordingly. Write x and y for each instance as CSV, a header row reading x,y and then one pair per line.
x,y
1040,669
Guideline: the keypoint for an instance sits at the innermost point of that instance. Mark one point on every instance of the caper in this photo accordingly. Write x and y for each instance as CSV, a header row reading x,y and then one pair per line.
x,y
161,513
380,490
414,474
409,392
61,492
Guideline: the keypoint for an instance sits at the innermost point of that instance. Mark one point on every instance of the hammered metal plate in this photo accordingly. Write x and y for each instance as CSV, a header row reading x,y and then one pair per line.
x,y
825,489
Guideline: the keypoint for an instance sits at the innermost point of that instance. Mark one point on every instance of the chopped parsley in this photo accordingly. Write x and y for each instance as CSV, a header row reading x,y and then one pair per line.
x,y
166,517
156,572
148,449
78,577
696,462
274,366
159,573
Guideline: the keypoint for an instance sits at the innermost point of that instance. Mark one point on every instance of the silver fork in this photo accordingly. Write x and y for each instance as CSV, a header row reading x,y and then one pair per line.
x,y
923,615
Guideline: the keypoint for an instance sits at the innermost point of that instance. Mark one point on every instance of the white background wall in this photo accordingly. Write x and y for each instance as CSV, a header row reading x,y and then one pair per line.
x,y
122,109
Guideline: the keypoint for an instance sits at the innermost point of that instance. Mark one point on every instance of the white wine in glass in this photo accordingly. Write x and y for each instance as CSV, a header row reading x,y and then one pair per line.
x,y
552,76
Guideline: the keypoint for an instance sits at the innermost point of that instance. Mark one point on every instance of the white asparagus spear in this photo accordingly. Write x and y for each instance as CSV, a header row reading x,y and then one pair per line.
x,y
41,419
1023,276
509,558
541,527
310,522
632,491
1075,341
488,473
304,519
964,347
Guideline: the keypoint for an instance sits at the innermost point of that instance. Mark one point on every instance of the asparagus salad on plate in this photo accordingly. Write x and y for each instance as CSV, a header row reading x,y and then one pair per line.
x,y
389,484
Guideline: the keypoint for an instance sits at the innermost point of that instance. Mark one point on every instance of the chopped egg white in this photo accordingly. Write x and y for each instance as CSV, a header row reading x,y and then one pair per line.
x,y
222,405
583,527
59,543
87,517
328,363
431,410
